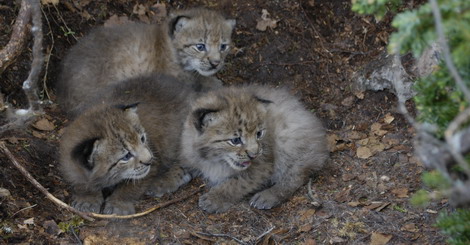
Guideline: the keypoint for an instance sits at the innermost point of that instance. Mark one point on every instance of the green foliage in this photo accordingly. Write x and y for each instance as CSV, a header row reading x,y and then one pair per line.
x,y
420,198
438,98
74,223
377,7
435,180
456,226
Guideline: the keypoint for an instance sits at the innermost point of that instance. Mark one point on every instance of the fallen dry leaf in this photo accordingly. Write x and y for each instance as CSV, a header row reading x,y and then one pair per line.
x,y
343,196
29,221
306,214
409,227
389,118
331,140
359,94
363,152
377,147
39,135
354,204
306,228
375,128
44,125
309,241
377,206
348,101
53,2
355,135
400,192
379,238
265,21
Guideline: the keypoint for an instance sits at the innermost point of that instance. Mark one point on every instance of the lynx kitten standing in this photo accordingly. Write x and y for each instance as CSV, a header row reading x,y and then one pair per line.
x,y
251,139
190,45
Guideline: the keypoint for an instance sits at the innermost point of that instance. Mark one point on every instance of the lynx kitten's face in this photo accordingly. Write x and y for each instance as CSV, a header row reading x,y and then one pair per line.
x,y
109,150
202,40
232,129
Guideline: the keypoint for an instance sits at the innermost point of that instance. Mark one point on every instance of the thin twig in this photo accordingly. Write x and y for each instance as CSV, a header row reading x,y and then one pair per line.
x,y
23,209
69,31
36,184
18,36
455,147
446,51
86,216
159,206
315,202
48,56
264,234
319,36
30,86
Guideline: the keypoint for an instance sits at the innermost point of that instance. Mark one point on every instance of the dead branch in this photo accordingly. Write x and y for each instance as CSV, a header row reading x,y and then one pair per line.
x,y
30,86
159,206
435,153
36,184
18,37
21,117
446,51
86,216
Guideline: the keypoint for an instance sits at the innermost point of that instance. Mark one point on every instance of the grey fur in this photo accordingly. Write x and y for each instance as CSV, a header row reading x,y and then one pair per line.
x,y
291,146
161,112
108,55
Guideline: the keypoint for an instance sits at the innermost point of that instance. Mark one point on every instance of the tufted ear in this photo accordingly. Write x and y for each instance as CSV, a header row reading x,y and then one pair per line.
x,y
203,117
83,152
177,23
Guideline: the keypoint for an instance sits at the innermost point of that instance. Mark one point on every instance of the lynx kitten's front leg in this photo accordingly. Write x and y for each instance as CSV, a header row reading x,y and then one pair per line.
x,y
88,202
169,182
222,196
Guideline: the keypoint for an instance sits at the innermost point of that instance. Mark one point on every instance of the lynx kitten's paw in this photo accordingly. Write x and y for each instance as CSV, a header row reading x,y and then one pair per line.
x,y
164,186
264,200
119,208
88,203
213,203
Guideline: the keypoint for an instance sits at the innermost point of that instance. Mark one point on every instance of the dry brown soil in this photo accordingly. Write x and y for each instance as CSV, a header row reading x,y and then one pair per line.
x,y
315,49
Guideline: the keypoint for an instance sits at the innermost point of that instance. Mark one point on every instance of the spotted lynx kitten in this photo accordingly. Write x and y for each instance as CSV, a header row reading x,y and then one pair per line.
x,y
116,150
191,45
251,139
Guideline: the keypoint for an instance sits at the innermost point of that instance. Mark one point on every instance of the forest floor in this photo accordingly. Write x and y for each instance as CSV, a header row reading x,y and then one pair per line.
x,y
315,49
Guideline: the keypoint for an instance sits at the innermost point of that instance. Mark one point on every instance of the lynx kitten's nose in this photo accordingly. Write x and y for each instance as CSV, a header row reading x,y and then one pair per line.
x,y
214,63
252,155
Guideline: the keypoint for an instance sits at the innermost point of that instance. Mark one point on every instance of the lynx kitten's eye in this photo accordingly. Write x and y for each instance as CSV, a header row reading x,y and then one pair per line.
x,y
235,141
260,134
201,47
127,157
223,47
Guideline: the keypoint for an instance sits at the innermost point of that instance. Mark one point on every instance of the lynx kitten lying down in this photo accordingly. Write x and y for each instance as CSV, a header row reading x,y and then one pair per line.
x,y
116,150
191,45
251,139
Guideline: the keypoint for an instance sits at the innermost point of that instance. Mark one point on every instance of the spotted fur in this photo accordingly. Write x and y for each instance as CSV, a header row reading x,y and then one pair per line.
x,y
191,45
251,139
95,146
